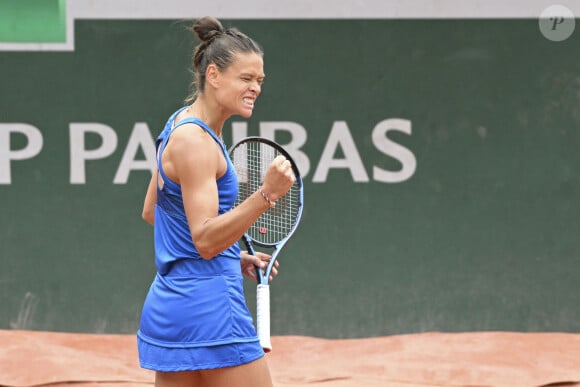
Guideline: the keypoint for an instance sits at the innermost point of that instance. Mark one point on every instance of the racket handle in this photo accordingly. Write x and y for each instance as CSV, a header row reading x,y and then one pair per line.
x,y
263,316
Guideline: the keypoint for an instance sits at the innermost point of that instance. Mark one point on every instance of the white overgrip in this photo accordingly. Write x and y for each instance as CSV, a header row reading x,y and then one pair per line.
x,y
263,316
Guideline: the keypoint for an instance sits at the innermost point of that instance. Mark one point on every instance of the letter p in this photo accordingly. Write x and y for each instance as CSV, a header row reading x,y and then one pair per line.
x,y
32,148
79,153
556,21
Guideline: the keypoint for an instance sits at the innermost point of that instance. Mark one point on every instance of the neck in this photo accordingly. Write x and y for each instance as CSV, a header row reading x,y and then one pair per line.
x,y
209,113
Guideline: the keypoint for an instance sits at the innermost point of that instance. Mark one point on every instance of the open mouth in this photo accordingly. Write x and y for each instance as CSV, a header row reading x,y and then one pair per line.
x,y
249,101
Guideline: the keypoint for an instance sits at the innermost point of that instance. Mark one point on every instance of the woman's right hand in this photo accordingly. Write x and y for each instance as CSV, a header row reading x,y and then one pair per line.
x,y
278,179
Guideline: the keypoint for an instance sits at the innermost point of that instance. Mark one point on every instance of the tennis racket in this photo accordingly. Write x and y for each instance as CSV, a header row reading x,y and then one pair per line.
x,y
251,158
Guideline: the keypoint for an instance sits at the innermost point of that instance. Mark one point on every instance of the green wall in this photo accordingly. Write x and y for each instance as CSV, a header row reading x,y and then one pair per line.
x,y
482,236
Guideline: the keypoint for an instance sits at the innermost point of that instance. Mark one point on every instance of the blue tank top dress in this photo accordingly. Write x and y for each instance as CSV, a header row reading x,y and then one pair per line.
x,y
195,315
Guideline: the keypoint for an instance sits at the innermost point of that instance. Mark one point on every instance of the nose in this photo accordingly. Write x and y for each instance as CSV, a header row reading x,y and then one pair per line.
x,y
255,87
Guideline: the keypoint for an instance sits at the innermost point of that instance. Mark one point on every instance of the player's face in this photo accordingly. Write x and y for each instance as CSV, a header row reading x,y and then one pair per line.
x,y
241,84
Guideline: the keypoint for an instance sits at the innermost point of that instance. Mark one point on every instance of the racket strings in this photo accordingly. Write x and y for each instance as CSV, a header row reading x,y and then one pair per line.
x,y
251,161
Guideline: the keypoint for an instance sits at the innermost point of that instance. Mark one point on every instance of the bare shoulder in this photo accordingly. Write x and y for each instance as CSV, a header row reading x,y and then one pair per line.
x,y
191,138
191,146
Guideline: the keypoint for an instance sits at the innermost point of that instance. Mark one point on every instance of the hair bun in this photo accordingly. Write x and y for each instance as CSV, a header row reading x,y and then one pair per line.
x,y
208,28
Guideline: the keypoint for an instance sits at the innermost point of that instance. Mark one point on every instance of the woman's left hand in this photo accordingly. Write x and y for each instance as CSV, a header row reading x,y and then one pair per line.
x,y
250,262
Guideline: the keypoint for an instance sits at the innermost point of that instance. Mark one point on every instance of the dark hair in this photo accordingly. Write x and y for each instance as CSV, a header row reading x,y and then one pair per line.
x,y
218,46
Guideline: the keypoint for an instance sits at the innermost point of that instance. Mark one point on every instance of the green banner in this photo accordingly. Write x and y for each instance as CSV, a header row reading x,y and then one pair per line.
x,y
440,161
32,21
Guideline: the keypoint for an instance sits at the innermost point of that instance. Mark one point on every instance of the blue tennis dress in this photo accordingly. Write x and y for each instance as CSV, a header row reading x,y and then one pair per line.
x,y
195,315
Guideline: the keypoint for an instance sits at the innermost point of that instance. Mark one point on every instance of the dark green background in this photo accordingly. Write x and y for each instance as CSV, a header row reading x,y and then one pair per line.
x,y
484,236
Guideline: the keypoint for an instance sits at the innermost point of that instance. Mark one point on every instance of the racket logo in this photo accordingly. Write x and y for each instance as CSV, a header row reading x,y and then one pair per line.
x,y
263,230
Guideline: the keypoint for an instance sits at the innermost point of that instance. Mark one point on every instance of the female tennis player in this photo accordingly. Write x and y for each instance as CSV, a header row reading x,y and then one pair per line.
x,y
195,328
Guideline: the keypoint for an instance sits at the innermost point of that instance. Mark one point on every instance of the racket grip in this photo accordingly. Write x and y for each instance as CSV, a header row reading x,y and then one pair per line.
x,y
263,316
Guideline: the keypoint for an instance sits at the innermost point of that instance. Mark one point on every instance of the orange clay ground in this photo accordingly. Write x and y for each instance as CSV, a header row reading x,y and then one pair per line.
x,y
507,359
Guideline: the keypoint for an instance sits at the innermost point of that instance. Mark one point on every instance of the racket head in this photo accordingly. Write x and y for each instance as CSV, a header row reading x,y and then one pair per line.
x,y
251,158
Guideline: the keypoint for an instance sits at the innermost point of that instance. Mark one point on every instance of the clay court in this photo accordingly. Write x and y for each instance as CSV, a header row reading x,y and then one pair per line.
x,y
493,359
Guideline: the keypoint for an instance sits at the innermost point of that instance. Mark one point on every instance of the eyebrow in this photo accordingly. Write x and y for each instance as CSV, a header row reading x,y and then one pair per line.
x,y
251,74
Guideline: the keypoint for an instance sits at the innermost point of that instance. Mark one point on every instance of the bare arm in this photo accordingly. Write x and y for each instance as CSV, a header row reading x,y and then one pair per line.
x,y
196,161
